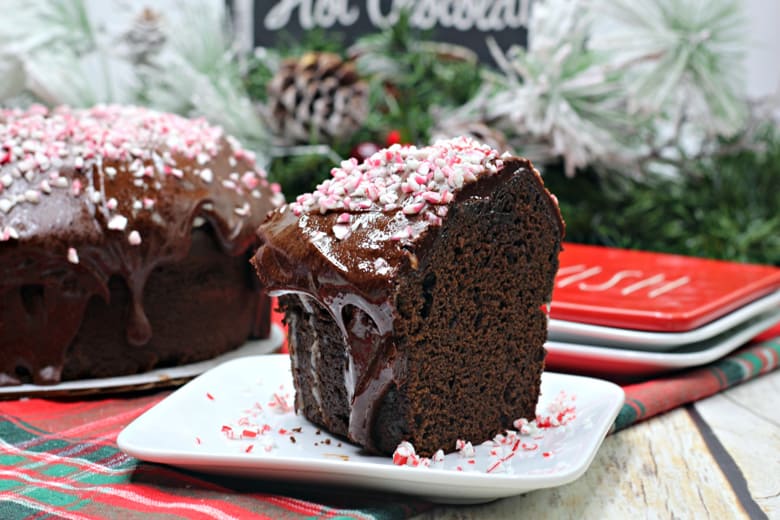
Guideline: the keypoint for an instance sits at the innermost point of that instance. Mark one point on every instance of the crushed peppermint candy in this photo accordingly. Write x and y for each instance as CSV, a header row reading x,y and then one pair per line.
x,y
8,233
465,449
280,403
493,456
404,455
271,424
438,456
262,425
206,175
341,231
413,179
117,222
134,238
97,145
33,196
560,412
73,255
243,211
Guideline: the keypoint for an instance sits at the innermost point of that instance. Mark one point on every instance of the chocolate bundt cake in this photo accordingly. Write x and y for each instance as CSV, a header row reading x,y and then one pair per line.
x,y
414,286
124,240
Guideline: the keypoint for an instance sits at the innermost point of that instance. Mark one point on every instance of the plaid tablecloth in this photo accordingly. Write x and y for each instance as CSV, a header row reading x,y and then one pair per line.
x,y
59,459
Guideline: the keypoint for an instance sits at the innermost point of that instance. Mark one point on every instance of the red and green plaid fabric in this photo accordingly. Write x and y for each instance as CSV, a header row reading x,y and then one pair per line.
x,y
59,459
656,396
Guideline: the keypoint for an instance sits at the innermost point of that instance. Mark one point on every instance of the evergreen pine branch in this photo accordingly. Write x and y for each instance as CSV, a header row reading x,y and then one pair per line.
x,y
678,50
723,207
61,78
64,60
72,20
411,78
199,75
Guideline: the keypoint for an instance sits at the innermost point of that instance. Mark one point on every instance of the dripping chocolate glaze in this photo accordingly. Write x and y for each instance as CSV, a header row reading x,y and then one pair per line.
x,y
302,255
37,328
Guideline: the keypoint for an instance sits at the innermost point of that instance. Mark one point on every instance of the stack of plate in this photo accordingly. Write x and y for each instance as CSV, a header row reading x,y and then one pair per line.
x,y
622,313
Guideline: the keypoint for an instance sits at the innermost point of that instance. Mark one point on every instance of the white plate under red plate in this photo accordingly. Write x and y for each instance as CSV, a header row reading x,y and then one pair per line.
x,y
615,363
640,290
159,376
587,334
186,429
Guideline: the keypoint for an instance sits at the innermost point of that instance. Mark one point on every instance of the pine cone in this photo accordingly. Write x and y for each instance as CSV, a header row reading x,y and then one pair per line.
x,y
316,98
476,129
145,37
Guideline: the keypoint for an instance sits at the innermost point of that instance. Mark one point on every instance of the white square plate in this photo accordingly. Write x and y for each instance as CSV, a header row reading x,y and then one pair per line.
x,y
188,429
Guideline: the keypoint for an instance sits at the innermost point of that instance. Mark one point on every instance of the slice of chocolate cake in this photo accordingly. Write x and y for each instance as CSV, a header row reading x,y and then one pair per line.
x,y
414,286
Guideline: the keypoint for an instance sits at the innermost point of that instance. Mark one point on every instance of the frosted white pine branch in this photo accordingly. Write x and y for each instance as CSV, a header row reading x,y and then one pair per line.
x,y
606,81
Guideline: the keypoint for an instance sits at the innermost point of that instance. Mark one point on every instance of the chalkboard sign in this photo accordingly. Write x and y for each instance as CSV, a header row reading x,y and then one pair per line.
x,y
464,22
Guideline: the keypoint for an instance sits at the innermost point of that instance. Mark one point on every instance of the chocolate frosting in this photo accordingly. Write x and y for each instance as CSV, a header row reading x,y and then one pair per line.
x,y
88,194
303,254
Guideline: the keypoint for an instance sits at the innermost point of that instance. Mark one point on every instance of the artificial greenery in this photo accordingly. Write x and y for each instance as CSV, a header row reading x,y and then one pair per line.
x,y
300,173
724,207
409,77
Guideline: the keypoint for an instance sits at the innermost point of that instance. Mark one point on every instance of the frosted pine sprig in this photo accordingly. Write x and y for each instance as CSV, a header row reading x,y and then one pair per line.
x,y
198,75
616,83
683,55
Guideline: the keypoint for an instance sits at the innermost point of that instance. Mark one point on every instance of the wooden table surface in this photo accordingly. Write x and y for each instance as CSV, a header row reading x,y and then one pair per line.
x,y
718,458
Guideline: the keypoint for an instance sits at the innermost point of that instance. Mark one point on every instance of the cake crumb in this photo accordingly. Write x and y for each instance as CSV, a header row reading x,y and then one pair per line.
x,y
345,458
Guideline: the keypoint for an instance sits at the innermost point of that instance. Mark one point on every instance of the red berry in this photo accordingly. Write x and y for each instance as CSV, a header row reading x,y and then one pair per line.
x,y
393,137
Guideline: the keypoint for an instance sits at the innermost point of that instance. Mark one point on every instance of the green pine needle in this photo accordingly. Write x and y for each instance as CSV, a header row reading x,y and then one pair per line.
x,y
409,79
724,207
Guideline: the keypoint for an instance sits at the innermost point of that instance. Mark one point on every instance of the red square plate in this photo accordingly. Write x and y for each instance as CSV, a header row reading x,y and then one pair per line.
x,y
652,291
